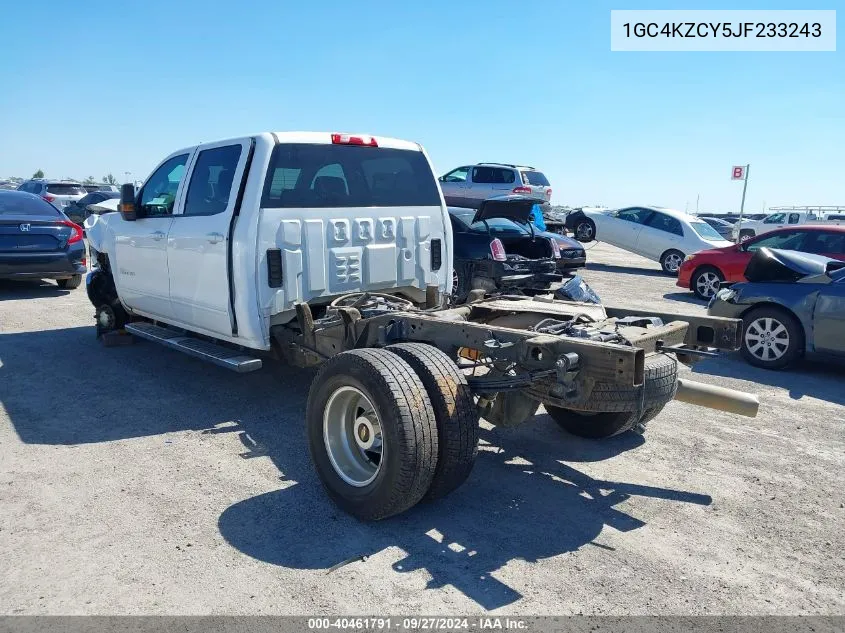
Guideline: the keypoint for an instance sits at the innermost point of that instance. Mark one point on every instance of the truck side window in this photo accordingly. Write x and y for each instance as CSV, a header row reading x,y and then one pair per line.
x,y
211,181
793,218
159,194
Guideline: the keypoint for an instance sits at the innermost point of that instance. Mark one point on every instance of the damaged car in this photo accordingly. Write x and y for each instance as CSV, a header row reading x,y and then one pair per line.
x,y
793,304
497,249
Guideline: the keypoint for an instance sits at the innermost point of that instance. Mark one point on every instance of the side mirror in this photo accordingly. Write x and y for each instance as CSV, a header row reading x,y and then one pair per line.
x,y
127,202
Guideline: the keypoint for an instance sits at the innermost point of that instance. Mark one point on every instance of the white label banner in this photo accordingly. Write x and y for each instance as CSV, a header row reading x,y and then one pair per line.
x,y
728,30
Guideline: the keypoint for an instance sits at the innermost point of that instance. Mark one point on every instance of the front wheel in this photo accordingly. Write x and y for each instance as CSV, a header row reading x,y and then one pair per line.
x,y
706,282
70,284
671,261
372,433
771,338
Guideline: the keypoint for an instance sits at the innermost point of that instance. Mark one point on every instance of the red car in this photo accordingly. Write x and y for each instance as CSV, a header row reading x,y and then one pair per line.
x,y
705,271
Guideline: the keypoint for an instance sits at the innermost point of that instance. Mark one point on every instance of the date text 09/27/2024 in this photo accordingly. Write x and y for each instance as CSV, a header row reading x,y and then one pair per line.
x,y
417,623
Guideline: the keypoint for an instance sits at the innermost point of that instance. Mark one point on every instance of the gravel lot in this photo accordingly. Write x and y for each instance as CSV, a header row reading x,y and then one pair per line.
x,y
138,480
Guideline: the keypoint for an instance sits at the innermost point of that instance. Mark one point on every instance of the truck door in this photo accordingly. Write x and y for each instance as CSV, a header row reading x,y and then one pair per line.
x,y
140,266
829,319
198,242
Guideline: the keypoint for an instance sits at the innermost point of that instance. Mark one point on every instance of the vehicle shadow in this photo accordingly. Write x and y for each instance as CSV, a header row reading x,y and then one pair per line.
x,y
812,378
626,270
523,500
685,297
14,289
517,505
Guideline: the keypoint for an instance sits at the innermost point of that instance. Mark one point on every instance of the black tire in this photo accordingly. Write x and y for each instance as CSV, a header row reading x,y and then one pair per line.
x,y
70,284
408,427
613,410
598,426
706,282
454,409
585,230
786,341
746,234
461,280
671,261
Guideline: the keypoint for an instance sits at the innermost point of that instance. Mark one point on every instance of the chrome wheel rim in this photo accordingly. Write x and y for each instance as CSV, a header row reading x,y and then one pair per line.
x,y
353,436
454,281
673,262
584,231
707,284
767,339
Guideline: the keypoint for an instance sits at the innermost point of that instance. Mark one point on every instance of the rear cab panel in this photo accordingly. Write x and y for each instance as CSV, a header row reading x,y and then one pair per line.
x,y
347,218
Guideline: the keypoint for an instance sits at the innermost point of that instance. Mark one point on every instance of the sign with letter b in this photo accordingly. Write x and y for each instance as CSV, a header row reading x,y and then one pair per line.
x,y
738,172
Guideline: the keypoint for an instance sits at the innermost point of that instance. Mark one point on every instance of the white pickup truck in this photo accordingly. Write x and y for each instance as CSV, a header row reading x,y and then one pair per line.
x,y
781,219
336,250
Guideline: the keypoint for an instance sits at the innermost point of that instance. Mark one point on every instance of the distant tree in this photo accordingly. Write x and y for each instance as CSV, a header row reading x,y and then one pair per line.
x,y
90,180
109,179
38,174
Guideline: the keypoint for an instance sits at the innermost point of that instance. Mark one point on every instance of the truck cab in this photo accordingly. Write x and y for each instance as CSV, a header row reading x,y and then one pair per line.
x,y
225,238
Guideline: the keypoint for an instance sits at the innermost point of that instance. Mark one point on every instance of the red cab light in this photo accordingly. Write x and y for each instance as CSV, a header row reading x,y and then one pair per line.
x,y
522,190
348,139
555,248
75,232
497,250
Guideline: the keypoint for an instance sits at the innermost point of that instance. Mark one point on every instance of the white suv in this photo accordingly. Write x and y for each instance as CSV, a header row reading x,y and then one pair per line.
x,y
60,193
470,185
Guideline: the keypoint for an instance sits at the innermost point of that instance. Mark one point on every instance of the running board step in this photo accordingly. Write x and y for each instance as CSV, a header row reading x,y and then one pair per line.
x,y
204,350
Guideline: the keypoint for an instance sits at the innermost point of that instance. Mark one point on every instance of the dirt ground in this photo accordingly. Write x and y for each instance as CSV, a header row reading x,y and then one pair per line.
x,y
138,480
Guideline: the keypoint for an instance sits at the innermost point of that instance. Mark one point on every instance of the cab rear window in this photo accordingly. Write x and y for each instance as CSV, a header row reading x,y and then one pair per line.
x,y
305,175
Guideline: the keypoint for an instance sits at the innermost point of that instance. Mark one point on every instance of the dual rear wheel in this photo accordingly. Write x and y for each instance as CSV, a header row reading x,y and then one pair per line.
x,y
390,427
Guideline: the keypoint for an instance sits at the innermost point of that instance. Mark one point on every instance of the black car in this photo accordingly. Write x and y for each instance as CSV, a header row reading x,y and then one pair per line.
x,y
37,241
792,304
77,211
494,252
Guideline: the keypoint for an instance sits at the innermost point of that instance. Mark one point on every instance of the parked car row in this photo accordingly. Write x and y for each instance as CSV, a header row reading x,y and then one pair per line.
x,y
750,228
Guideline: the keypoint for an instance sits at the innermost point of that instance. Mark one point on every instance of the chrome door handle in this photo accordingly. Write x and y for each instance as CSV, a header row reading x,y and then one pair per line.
x,y
158,236
214,237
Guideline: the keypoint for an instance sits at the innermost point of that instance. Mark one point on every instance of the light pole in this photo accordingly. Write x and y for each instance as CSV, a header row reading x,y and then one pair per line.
x,y
126,175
